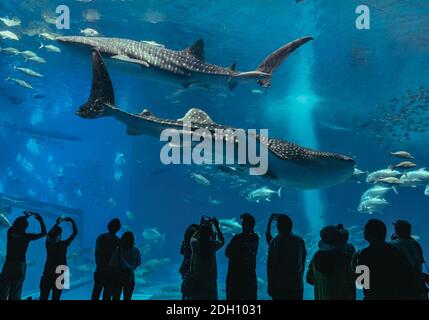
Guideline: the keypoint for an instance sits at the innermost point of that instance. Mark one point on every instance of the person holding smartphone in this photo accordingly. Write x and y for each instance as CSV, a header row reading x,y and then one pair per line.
x,y
203,268
14,269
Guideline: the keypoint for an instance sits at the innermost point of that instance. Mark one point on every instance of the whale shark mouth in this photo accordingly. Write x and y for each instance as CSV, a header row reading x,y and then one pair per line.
x,y
289,164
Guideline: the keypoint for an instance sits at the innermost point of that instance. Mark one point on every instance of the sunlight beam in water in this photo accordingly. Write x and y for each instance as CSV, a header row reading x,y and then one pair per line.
x,y
299,106
302,117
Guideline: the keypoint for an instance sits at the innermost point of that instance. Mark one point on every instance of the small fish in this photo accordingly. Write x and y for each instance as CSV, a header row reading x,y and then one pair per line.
x,y
402,154
28,54
199,179
404,165
427,191
263,193
8,35
409,182
48,36
153,235
29,72
389,181
130,215
88,32
50,48
21,83
10,50
384,173
111,203
230,225
257,91
4,222
214,201
14,22
37,60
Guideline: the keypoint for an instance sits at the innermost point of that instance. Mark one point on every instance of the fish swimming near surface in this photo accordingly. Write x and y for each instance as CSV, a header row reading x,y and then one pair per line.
x,y
289,165
186,68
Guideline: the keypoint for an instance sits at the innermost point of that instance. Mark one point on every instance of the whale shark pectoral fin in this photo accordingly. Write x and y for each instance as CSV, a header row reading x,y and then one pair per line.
x,y
196,50
197,116
275,59
130,60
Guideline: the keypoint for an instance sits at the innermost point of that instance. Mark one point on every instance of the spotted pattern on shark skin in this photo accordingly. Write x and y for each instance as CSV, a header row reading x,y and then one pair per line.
x,y
178,62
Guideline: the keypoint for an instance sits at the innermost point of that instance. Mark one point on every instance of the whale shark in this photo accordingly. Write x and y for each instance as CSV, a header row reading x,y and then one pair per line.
x,y
289,165
185,68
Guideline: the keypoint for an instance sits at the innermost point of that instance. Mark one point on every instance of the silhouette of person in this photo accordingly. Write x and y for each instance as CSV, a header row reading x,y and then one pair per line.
x,y
14,269
390,274
105,246
286,260
241,281
330,270
56,250
125,260
186,252
348,249
412,250
203,270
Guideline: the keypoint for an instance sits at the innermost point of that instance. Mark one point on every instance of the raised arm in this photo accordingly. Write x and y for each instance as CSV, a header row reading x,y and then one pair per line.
x,y
43,231
268,235
74,231
221,239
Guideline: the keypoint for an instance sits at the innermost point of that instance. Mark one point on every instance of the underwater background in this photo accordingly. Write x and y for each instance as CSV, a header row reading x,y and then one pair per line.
x,y
337,93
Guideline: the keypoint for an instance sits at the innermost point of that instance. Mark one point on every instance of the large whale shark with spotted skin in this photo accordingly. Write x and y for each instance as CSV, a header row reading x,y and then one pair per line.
x,y
186,68
289,165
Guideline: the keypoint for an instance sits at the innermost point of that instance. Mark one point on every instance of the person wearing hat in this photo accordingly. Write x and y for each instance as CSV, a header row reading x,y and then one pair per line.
x,y
56,250
241,281
14,269
330,269
412,250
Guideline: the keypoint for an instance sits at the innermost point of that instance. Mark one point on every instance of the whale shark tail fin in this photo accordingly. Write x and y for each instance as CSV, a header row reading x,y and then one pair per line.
x,y
102,93
275,59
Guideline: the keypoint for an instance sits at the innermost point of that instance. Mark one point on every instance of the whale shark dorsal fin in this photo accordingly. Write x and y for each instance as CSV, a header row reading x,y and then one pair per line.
x,y
197,49
197,116
233,67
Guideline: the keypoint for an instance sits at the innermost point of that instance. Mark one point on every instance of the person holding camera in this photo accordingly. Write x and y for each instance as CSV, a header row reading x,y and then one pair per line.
x,y
203,269
286,260
56,250
14,269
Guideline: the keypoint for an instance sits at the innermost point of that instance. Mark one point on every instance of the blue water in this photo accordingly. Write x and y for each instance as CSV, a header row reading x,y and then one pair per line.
x,y
321,98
